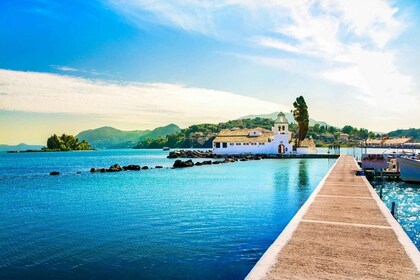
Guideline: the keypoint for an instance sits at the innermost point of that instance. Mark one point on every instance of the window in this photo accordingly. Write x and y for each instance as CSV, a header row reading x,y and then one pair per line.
x,y
217,145
238,144
231,144
262,143
224,145
246,143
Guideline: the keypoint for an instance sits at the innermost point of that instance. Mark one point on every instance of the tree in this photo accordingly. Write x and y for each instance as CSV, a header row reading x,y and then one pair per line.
x,y
301,115
363,133
317,128
347,129
66,143
54,142
332,129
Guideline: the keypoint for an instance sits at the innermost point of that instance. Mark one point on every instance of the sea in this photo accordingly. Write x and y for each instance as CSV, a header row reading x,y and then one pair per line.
x,y
204,222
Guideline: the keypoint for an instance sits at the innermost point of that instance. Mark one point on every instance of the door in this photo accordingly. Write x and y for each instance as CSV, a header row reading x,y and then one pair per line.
x,y
281,149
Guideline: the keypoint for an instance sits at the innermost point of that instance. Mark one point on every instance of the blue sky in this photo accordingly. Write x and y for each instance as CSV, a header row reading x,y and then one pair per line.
x,y
66,66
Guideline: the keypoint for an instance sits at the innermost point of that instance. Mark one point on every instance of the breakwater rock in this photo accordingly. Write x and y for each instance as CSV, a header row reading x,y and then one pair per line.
x,y
189,163
117,168
191,154
133,167
209,154
181,164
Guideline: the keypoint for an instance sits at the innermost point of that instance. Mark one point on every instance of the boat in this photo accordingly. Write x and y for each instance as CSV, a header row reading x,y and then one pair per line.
x,y
409,168
374,161
166,148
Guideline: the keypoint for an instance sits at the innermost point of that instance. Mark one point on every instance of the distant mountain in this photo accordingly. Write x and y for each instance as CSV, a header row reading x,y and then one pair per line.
x,y
289,116
19,147
108,137
414,133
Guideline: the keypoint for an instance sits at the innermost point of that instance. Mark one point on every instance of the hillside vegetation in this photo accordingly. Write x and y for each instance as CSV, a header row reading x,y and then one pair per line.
x,y
202,135
111,138
413,133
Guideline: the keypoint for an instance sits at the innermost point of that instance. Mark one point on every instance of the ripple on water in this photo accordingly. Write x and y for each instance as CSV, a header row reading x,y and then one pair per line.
x,y
205,222
407,199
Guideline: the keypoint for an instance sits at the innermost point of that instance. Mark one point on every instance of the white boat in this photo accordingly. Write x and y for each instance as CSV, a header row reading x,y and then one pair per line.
x,y
409,169
166,148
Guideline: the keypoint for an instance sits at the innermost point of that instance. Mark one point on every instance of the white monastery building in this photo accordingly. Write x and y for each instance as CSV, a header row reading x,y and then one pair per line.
x,y
260,141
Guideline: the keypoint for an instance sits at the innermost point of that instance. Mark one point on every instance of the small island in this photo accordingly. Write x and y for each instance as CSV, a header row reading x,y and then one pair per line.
x,y
63,143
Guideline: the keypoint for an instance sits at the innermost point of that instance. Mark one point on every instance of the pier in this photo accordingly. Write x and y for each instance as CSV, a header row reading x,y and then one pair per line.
x,y
343,231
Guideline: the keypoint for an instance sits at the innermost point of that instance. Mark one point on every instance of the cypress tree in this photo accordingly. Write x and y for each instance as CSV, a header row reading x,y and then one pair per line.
x,y
301,115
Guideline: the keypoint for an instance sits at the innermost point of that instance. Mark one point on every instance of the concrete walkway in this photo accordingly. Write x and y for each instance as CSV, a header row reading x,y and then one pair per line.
x,y
343,231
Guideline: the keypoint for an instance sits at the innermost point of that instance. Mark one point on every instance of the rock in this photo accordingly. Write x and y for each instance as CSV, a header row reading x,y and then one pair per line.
x,y
93,169
243,159
54,173
133,167
114,168
206,162
258,158
180,164
198,163
102,170
78,172
145,167
191,154
158,166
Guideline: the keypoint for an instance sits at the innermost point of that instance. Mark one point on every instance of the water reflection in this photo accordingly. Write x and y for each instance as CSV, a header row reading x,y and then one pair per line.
x,y
303,174
303,179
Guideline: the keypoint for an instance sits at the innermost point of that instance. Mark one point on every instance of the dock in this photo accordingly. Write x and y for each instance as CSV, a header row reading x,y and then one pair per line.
x,y
343,231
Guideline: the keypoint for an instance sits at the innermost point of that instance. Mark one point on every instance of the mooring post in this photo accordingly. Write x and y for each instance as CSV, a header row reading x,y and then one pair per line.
x,y
393,209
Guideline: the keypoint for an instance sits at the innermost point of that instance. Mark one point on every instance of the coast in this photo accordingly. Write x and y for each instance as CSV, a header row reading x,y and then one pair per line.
x,y
210,154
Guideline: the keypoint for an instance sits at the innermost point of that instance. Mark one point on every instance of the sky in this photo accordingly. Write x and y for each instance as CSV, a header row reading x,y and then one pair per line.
x,y
67,66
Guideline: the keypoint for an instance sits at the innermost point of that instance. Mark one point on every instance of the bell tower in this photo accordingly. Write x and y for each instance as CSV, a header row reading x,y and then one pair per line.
x,y
281,125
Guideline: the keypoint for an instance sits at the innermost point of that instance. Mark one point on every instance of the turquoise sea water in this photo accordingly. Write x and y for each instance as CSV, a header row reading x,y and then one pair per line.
x,y
205,222
407,200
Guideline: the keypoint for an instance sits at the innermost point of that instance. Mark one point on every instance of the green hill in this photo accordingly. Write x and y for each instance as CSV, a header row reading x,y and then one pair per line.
x,y
19,147
289,116
201,135
414,133
112,138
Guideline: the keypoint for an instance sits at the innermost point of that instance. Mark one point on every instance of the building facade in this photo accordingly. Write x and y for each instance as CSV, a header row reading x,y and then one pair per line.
x,y
278,140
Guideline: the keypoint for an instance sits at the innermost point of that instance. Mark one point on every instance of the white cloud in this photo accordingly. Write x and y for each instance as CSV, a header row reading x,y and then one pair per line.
x,y
65,68
349,40
72,69
189,15
145,103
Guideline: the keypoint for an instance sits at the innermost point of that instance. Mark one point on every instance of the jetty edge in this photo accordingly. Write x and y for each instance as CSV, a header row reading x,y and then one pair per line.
x,y
343,231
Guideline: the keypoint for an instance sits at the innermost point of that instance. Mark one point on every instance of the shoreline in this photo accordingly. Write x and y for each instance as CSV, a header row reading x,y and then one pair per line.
x,y
46,151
